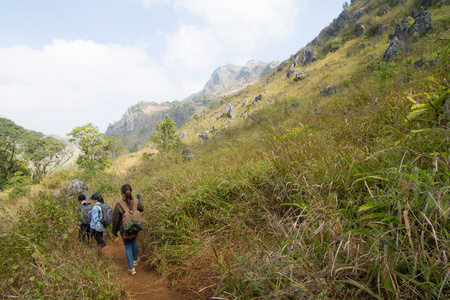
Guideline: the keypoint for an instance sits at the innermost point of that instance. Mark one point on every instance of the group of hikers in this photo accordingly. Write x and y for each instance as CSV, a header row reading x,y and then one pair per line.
x,y
125,218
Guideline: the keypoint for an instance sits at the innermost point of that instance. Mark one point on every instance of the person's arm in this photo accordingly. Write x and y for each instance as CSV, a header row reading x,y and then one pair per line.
x,y
117,219
140,203
94,217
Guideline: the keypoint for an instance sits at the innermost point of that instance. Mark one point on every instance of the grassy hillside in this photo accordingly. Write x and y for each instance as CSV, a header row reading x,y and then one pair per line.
x,y
338,196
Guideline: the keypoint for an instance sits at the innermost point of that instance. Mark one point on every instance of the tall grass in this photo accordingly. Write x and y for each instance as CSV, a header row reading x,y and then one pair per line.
x,y
43,259
347,200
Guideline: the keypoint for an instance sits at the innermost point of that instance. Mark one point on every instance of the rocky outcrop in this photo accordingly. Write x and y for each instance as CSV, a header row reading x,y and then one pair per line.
x,y
230,77
300,75
342,20
77,187
230,109
139,121
403,31
129,121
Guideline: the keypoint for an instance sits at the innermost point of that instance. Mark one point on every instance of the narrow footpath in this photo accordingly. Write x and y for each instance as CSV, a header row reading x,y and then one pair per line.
x,y
145,284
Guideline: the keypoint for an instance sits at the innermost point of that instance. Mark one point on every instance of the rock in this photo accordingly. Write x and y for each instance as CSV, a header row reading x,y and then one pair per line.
x,y
394,47
343,18
316,42
422,25
381,28
357,14
186,151
258,98
205,135
308,56
384,11
418,64
189,157
328,90
289,73
77,187
293,105
359,30
230,109
300,75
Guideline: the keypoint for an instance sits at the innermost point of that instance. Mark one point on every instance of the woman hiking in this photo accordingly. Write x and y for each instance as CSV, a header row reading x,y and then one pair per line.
x,y
96,226
126,219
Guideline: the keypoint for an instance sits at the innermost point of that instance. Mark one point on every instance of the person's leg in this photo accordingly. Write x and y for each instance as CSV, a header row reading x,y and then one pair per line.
x,y
100,240
135,249
81,233
129,252
84,232
98,235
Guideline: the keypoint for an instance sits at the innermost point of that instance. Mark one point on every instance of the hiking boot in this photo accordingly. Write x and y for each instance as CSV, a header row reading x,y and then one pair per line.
x,y
135,262
131,271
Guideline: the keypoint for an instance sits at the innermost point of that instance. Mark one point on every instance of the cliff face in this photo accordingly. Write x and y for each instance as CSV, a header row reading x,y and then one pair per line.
x,y
139,121
232,78
129,121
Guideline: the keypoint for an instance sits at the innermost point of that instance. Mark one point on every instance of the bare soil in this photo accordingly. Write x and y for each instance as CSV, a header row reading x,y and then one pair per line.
x,y
146,284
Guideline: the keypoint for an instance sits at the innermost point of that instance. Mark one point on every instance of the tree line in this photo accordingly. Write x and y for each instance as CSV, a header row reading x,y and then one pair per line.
x,y
27,155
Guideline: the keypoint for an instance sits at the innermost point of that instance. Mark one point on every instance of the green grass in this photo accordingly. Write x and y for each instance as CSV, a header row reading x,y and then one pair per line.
x,y
343,197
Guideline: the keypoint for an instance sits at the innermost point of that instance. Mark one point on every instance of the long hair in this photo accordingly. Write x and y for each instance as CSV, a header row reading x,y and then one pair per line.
x,y
126,192
101,200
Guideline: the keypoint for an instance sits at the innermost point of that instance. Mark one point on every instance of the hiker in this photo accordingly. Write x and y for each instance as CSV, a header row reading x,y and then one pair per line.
x,y
84,219
96,226
126,217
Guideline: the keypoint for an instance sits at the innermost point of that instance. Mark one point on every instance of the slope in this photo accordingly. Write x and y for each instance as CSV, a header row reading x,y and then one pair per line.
x,y
334,182
328,183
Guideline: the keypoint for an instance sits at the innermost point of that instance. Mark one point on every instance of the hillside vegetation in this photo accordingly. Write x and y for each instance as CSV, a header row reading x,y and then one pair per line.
x,y
333,184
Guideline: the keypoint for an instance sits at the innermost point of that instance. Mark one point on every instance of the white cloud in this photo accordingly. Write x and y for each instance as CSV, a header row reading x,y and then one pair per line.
x,y
88,81
191,48
227,28
245,22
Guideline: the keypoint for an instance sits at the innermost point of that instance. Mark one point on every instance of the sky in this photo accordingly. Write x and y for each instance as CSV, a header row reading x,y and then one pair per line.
x,y
66,63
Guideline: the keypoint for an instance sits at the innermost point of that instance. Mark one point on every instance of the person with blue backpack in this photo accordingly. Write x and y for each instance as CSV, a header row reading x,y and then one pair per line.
x,y
96,225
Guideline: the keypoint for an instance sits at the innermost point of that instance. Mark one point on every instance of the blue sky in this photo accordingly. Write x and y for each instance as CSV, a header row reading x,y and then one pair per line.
x,y
68,63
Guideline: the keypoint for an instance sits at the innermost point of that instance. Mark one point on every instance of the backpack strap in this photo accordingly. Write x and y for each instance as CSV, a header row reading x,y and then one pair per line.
x,y
125,205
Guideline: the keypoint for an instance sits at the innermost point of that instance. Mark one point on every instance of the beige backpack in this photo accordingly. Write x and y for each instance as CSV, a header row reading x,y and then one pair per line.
x,y
131,219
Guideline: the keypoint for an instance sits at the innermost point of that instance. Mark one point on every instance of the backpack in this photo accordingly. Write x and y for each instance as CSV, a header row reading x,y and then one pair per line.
x,y
107,213
131,219
86,212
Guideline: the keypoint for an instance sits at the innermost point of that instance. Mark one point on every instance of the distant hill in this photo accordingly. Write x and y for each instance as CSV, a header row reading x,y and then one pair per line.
x,y
137,123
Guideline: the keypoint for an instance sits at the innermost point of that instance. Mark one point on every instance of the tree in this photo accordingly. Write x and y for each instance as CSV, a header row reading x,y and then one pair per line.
x,y
113,147
11,136
89,139
91,143
45,153
164,137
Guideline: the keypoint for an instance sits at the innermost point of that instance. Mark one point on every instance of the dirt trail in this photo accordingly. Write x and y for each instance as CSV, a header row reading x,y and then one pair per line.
x,y
145,284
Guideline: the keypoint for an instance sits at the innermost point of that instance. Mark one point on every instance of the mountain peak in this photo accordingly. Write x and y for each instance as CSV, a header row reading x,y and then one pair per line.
x,y
231,77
